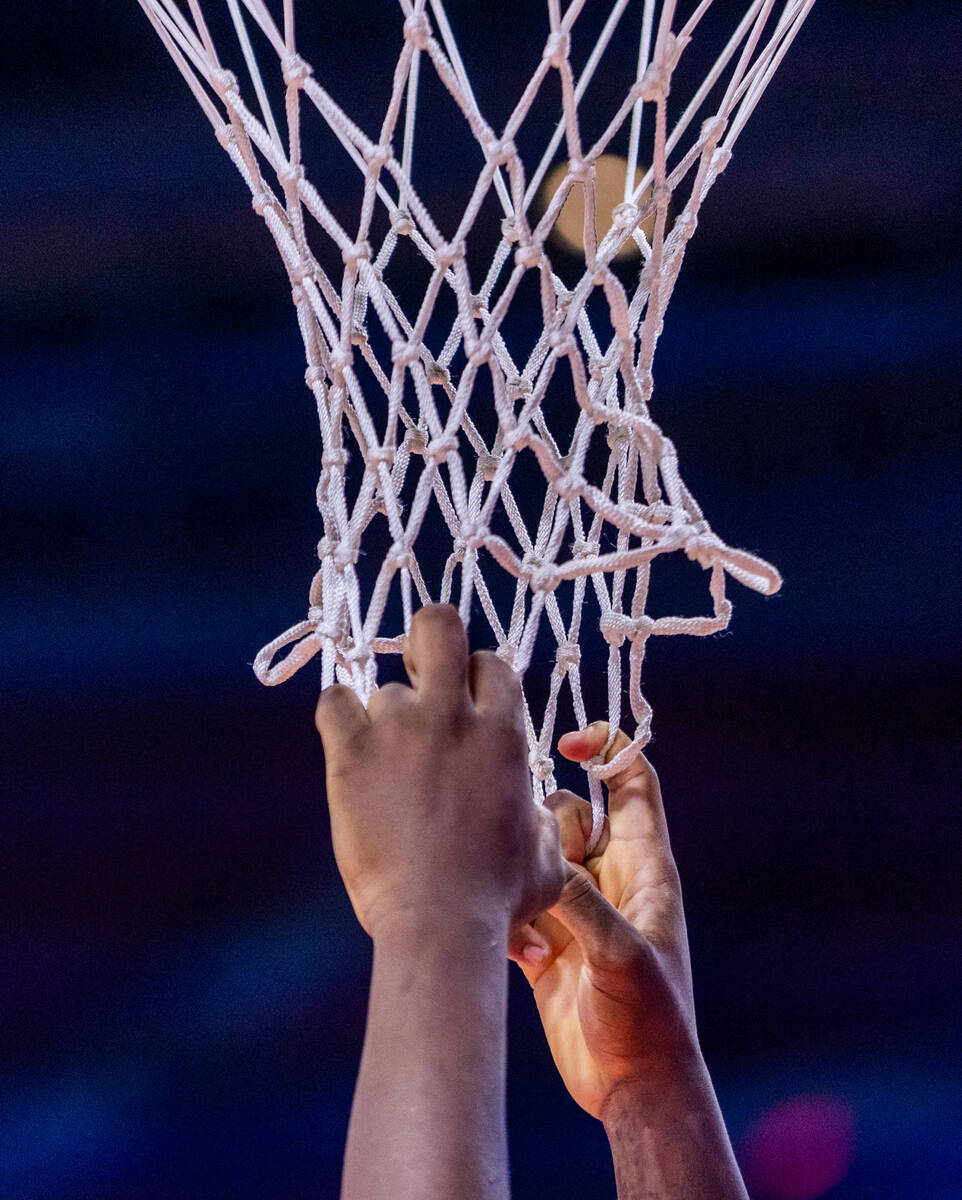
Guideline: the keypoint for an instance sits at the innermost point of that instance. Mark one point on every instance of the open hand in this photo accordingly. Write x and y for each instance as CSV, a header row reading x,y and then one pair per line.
x,y
613,987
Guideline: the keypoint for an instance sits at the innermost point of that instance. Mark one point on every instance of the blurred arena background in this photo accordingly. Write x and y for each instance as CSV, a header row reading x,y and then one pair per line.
x,y
183,982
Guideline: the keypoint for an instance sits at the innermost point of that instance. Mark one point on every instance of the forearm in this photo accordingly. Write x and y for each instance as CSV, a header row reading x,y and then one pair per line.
x,y
428,1117
668,1139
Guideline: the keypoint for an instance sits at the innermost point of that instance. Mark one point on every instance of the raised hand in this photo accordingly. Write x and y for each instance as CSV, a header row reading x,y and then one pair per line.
x,y
442,851
429,789
613,985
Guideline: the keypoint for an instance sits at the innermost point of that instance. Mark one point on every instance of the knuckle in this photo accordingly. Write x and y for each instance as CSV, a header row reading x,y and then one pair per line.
x,y
441,614
389,696
506,726
577,888
329,701
563,802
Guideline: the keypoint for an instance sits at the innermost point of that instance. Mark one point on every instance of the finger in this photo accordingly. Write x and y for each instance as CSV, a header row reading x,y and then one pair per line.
x,y
527,946
390,696
494,686
597,926
436,657
574,825
551,867
547,931
340,719
634,797
581,744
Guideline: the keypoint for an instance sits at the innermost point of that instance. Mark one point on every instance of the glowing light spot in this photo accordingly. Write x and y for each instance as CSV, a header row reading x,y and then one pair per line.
x,y
611,170
799,1149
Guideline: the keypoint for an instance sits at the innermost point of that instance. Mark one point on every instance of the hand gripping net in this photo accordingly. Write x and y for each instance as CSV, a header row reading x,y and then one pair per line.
x,y
429,408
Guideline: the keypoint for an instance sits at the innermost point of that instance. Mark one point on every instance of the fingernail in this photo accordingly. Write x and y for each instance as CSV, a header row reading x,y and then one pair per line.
x,y
534,954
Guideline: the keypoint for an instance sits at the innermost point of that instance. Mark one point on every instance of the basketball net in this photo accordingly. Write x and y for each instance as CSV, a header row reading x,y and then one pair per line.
x,y
428,410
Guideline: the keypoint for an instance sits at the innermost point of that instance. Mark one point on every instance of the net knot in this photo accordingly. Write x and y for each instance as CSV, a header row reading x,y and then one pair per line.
x,y
401,556
290,175
313,376
488,466
712,129
617,437
509,229
538,576
720,159
583,549
337,630
376,455
345,555
472,534
561,343
542,767
225,135
416,441
438,376
528,255
261,202
615,627
401,223
567,655
579,170
556,48
355,253
403,354
376,156
500,150
568,487
334,458
417,30
224,83
340,358
654,84
295,70
439,448
518,386
701,545
624,214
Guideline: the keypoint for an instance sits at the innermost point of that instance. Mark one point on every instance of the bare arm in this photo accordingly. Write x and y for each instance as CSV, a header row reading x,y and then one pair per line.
x,y
614,992
442,852
668,1139
428,1116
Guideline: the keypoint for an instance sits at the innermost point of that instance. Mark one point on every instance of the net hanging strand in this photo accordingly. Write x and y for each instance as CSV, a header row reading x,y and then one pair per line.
x,y
641,499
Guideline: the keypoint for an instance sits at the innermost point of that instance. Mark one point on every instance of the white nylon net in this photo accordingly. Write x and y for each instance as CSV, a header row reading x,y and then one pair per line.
x,y
541,460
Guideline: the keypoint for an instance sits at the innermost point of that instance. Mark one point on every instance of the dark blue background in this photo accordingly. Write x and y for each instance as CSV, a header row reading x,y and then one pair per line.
x,y
183,982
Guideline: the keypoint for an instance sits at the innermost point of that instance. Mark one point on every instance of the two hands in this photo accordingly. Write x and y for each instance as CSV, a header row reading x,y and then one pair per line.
x,y
448,865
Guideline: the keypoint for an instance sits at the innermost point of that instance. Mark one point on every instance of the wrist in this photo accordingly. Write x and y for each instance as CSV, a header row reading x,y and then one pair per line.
x,y
668,1137
452,926
677,1083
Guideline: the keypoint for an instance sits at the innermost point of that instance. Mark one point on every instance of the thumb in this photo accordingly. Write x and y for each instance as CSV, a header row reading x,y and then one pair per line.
x,y
595,924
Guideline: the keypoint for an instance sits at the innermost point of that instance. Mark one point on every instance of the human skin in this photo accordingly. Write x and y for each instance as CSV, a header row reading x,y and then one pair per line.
x,y
611,976
443,853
